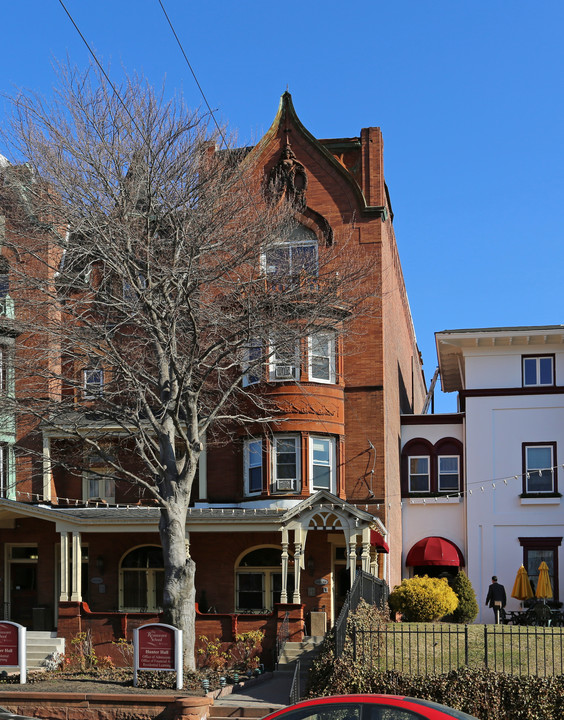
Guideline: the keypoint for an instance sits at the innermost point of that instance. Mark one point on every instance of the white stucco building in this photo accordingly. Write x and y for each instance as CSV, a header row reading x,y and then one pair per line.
x,y
485,480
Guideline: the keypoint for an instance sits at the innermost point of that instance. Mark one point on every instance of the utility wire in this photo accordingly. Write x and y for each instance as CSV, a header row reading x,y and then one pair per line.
x,y
202,93
104,73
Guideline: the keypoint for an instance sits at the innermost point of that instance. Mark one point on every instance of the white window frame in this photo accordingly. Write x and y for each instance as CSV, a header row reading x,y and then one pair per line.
x,y
537,360
535,471
106,483
249,464
330,465
286,485
286,368
92,390
290,244
330,338
410,474
441,474
253,369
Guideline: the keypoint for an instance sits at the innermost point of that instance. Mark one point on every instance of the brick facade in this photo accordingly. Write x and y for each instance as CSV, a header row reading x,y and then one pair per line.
x,y
378,375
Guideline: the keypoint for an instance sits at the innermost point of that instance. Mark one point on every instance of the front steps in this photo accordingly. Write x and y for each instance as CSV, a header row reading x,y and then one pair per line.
x,y
39,645
306,650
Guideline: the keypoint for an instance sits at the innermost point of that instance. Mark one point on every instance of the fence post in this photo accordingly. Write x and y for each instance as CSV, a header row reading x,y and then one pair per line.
x,y
466,644
486,645
354,642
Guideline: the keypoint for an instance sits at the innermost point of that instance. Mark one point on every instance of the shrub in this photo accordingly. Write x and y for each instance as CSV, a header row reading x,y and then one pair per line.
x,y
467,609
423,599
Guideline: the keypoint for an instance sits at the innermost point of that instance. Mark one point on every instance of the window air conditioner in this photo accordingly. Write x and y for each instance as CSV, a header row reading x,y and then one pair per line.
x,y
284,371
284,485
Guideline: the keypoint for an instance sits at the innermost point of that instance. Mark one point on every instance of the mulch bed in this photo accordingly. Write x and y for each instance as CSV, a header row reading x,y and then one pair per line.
x,y
69,683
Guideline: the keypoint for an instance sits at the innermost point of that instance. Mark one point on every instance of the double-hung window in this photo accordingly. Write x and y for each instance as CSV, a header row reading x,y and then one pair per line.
x,y
284,360
286,463
321,357
448,473
539,468
294,262
322,463
538,370
419,474
99,485
253,466
93,383
252,363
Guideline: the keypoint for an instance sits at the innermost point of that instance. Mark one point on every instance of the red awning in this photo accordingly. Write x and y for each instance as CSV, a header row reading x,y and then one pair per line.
x,y
377,541
434,551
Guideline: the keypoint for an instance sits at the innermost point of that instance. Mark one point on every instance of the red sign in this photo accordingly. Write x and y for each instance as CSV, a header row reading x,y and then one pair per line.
x,y
156,648
9,644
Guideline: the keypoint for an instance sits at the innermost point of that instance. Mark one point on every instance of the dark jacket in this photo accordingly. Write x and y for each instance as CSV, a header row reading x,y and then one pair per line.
x,y
496,591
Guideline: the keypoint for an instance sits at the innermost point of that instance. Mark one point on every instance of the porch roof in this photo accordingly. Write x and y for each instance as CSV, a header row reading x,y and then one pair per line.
x,y
142,518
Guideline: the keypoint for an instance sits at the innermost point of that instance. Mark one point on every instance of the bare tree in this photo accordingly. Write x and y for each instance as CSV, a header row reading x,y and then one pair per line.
x,y
151,284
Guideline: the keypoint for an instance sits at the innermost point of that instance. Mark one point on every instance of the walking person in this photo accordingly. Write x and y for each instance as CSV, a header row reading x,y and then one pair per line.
x,y
496,598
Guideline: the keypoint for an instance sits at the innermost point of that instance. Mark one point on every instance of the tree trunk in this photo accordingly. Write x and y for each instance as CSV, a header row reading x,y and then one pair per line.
x,y
179,589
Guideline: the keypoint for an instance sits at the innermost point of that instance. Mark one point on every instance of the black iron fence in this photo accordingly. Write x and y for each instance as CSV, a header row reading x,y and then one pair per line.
x,y
365,587
435,648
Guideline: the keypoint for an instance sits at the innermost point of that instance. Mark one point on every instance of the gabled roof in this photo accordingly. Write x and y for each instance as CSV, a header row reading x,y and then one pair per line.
x,y
287,117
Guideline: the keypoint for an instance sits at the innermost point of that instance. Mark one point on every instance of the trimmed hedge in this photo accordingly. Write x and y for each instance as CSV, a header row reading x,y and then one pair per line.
x,y
423,599
479,692
467,609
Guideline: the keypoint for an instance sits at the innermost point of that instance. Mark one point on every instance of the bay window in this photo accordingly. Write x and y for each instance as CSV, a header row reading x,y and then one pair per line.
x,y
322,463
286,463
321,356
253,466
252,363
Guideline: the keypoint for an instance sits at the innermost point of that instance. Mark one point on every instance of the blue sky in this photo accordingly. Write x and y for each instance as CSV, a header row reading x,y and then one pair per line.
x,y
468,93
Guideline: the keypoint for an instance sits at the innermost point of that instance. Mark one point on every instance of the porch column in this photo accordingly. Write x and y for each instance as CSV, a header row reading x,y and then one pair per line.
x,y
365,555
298,560
284,593
352,558
374,562
76,568
46,468
64,580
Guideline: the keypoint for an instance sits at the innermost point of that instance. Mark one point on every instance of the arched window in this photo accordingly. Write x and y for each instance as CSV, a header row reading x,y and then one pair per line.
x,y
142,579
431,469
258,580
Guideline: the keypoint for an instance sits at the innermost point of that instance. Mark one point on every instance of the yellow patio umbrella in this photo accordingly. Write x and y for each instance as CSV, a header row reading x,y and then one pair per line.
x,y
544,588
522,589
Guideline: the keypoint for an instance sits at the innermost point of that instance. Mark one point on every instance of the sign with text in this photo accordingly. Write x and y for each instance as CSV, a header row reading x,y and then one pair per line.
x,y
157,647
12,646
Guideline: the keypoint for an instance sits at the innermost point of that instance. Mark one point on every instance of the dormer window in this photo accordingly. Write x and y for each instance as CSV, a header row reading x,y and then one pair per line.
x,y
294,261
538,370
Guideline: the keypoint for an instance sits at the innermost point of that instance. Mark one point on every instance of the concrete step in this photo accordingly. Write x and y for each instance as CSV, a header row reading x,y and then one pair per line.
x,y
241,711
39,645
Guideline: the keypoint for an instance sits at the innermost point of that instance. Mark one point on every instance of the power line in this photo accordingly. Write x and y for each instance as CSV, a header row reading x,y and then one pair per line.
x,y
99,64
211,112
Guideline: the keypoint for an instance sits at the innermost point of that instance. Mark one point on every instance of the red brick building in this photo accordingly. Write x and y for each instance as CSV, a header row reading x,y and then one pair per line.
x,y
280,518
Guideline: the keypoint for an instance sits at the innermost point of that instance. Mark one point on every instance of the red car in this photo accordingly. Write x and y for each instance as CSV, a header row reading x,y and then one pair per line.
x,y
368,707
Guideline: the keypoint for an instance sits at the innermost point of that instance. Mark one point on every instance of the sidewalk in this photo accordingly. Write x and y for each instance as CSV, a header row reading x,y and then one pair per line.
x,y
271,690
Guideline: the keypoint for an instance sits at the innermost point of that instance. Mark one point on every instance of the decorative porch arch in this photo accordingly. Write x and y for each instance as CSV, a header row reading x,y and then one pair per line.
x,y
325,511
